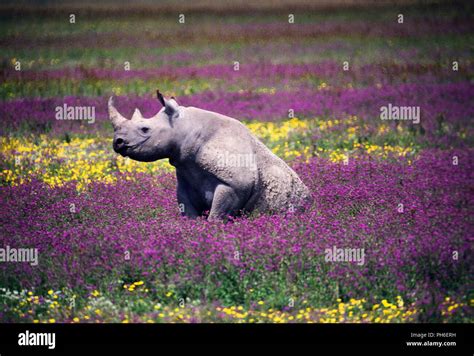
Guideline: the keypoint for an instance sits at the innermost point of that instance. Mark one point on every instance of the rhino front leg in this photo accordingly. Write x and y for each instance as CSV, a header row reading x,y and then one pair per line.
x,y
185,206
225,202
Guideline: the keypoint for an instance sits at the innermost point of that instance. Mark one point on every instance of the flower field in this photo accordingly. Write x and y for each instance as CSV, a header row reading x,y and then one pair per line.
x,y
112,246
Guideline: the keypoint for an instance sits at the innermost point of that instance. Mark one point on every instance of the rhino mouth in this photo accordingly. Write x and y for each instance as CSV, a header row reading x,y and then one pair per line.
x,y
124,151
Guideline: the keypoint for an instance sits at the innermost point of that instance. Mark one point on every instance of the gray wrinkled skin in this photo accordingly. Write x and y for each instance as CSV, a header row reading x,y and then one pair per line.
x,y
221,167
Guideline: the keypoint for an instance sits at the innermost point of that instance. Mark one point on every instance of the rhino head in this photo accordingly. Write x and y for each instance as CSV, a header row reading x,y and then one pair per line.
x,y
146,139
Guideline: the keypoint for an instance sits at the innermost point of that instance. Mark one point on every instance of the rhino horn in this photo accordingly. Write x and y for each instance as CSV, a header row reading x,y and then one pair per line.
x,y
137,114
114,115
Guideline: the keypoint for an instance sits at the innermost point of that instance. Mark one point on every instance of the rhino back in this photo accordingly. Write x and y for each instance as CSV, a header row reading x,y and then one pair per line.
x,y
225,148
228,150
281,187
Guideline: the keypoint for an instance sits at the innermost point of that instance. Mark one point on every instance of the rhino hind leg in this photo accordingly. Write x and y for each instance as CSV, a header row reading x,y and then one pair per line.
x,y
226,202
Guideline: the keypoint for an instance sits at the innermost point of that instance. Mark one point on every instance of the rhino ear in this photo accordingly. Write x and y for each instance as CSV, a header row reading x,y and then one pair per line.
x,y
160,98
171,106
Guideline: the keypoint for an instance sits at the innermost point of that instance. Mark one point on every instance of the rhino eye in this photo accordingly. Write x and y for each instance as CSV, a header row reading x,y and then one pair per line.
x,y
145,129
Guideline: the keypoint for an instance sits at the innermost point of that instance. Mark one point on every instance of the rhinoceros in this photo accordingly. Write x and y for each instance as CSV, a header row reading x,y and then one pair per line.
x,y
222,169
